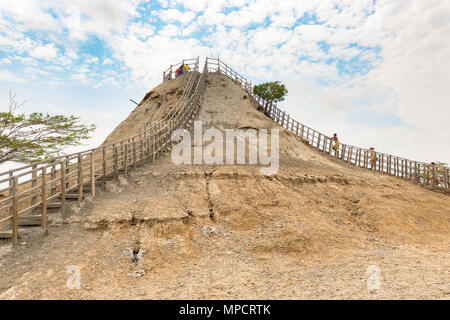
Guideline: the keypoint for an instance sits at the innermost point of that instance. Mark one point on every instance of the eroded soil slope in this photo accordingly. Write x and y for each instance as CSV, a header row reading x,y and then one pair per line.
x,y
199,232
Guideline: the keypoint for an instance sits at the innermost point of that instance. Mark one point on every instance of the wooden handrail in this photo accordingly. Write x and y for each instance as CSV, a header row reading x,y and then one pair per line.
x,y
385,163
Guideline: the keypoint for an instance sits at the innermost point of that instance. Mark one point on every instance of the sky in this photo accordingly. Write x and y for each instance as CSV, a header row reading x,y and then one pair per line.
x,y
375,72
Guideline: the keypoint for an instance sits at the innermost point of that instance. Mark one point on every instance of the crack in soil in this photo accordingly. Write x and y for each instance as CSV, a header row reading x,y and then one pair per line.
x,y
210,202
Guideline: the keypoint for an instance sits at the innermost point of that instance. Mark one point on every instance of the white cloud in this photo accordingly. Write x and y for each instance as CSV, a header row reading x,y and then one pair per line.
x,y
80,79
47,51
8,76
5,61
174,15
107,61
31,13
90,59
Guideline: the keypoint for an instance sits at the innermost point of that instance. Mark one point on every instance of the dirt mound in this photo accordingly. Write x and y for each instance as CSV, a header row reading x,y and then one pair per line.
x,y
311,230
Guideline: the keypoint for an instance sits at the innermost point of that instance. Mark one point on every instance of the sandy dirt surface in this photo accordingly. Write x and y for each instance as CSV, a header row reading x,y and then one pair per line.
x,y
315,230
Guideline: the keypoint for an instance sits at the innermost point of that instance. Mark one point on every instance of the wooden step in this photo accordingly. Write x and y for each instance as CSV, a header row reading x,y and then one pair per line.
x,y
53,205
6,235
71,196
30,221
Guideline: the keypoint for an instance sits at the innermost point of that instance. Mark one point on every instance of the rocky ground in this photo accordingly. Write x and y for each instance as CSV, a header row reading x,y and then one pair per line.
x,y
319,228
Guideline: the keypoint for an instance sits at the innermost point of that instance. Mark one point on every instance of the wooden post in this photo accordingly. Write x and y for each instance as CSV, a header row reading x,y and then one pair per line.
x,y
148,143
63,190
103,169
116,165
382,163
410,171
92,175
121,157
366,163
158,139
389,164
447,177
407,169
80,178
142,150
145,146
330,146
396,167
287,122
349,158
416,175
153,146
134,154
403,169
67,170
44,199
34,183
318,139
425,175
53,177
125,168
15,211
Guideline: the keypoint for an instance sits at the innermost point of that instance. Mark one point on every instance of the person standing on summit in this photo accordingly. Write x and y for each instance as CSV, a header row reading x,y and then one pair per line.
x,y
182,69
435,174
336,144
373,158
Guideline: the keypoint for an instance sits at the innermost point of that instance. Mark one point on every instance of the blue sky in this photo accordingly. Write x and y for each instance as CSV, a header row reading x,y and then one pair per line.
x,y
370,70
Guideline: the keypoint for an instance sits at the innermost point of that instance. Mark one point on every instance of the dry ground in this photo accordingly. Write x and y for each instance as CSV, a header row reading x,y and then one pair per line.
x,y
219,232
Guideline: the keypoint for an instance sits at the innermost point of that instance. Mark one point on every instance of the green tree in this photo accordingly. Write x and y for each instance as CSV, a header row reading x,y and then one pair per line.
x,y
271,91
34,137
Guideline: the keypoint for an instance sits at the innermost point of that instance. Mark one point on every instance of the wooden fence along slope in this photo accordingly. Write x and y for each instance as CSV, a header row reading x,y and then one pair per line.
x,y
412,170
38,185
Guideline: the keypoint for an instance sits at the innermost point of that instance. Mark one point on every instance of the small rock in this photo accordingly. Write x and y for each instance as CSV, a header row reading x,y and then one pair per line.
x,y
136,273
208,230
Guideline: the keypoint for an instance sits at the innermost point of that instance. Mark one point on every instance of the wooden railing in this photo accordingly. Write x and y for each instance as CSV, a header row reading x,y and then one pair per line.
x,y
170,73
35,186
416,171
